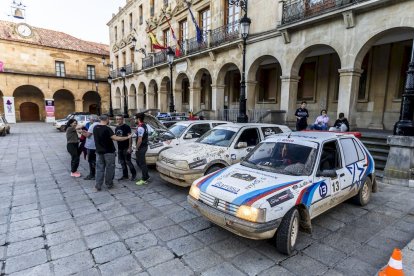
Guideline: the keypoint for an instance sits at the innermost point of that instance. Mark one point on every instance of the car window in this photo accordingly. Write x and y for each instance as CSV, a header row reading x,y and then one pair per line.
x,y
330,157
177,130
198,130
218,137
267,131
217,124
361,155
250,136
78,118
350,152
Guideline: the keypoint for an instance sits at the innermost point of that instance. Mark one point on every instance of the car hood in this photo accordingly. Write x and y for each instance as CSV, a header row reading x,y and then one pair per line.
x,y
154,123
241,185
192,152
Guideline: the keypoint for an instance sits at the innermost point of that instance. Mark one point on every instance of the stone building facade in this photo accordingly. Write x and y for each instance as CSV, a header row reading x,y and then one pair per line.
x,y
341,55
41,64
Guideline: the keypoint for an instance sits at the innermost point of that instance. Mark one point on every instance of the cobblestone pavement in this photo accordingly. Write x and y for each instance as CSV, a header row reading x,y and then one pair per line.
x,y
52,224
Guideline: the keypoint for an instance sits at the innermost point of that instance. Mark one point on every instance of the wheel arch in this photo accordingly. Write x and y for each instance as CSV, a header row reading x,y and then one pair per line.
x,y
305,219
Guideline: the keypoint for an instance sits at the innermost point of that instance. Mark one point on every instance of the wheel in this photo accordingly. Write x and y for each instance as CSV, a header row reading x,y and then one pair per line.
x,y
8,131
212,169
62,128
3,132
364,194
287,233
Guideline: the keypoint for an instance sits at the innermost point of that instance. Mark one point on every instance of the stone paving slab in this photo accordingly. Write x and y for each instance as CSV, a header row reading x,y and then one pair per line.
x,y
52,224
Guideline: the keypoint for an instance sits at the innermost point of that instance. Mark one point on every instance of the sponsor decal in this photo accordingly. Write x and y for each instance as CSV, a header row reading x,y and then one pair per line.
x,y
206,181
157,145
244,176
226,187
280,198
233,157
254,183
323,189
197,163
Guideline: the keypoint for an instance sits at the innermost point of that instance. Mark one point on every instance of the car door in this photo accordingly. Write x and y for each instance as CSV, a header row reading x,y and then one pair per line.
x,y
251,137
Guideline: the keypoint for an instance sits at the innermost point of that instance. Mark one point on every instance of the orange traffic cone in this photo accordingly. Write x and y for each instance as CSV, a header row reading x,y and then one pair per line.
x,y
394,267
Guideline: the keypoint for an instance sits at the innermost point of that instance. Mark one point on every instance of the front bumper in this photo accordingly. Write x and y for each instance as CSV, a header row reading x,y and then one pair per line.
x,y
247,229
178,177
151,158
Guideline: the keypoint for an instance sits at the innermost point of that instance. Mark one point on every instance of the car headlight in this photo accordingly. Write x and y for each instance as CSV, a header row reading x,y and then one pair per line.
x,y
251,213
181,164
195,192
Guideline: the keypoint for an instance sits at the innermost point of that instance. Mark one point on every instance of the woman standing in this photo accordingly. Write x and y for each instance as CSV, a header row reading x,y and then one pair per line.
x,y
72,146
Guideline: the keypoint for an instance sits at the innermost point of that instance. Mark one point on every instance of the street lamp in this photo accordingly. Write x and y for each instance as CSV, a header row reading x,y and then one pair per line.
x,y
170,59
123,74
111,110
405,126
98,104
244,31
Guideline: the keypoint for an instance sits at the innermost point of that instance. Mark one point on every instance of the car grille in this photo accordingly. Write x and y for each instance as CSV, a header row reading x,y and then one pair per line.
x,y
219,204
167,160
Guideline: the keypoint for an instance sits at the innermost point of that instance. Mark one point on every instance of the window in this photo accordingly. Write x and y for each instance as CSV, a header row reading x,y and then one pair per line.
x,y
185,88
205,20
167,37
123,59
60,68
165,3
91,72
217,124
198,130
268,77
267,131
250,136
116,33
152,7
132,55
116,62
235,79
307,82
232,16
122,28
350,152
330,157
141,18
183,30
130,22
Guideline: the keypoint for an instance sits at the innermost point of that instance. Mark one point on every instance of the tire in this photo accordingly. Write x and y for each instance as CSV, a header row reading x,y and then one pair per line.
x,y
3,133
212,169
287,233
364,193
62,128
8,131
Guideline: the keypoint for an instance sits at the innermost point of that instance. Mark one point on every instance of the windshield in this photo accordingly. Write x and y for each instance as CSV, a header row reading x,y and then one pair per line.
x,y
283,158
218,137
177,130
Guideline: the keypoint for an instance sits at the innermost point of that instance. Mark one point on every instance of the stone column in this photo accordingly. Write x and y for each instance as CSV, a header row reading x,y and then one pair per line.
x,y
288,98
251,94
78,105
150,99
217,101
163,103
348,94
178,100
195,99
140,102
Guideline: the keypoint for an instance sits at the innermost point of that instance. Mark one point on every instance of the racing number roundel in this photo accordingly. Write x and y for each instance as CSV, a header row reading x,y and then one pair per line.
x,y
323,189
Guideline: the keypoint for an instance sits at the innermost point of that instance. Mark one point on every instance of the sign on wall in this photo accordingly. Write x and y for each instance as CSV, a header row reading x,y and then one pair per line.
x,y
50,110
9,111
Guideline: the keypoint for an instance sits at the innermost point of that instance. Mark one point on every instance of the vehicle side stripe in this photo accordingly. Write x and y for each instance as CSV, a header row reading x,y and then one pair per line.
x,y
307,198
203,184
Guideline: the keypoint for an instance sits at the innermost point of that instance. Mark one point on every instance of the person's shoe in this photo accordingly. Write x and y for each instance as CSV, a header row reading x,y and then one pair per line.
x,y
75,174
96,190
141,182
89,177
111,186
122,178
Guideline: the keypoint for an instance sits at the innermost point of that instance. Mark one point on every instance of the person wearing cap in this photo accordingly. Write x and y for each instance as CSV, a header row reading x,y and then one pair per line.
x,y
105,153
142,147
90,146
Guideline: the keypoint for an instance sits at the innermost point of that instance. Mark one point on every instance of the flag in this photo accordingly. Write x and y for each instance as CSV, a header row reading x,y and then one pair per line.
x,y
177,45
155,43
198,30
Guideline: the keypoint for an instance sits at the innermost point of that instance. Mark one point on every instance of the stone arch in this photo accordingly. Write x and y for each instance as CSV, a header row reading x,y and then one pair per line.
x,y
202,90
64,103
132,98
91,102
152,95
228,81
117,99
221,74
182,92
29,102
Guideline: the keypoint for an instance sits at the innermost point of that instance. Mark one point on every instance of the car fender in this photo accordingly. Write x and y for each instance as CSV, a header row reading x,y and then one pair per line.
x,y
215,162
305,219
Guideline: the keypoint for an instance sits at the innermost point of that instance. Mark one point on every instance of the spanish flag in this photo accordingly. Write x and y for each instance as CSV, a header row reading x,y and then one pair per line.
x,y
155,43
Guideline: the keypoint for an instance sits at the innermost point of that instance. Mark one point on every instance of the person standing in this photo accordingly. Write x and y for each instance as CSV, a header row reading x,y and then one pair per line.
x,y
105,153
73,146
90,146
124,149
302,115
142,147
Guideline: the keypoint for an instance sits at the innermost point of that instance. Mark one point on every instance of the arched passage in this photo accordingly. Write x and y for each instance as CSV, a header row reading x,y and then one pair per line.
x,y
132,99
165,94
29,103
228,91
64,103
152,95
91,102
202,90
117,99
182,92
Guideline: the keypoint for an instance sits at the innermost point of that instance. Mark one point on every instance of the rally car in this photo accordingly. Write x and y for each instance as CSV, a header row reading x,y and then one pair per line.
x,y
180,133
286,181
220,147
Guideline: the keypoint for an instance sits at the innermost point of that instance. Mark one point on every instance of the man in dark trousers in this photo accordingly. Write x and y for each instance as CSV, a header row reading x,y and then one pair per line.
x,y
142,146
302,115
105,153
124,149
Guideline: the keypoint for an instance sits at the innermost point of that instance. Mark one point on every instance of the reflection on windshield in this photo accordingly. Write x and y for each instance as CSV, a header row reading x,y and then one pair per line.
x,y
218,137
283,158
177,130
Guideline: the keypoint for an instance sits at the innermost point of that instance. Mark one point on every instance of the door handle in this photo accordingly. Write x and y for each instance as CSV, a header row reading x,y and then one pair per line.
x,y
342,174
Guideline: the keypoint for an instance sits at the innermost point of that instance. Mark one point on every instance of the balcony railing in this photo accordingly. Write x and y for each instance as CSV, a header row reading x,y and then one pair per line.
x,y
297,10
147,62
225,34
160,57
193,46
129,68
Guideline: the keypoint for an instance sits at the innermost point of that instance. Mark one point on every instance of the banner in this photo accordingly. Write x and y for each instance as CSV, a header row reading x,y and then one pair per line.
x,y
9,111
50,110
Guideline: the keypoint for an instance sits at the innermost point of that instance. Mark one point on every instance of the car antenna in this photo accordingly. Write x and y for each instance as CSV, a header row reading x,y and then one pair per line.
x,y
290,134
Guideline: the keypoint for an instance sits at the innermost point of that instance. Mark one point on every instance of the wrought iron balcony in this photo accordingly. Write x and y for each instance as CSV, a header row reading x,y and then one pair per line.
x,y
147,62
160,57
193,46
226,33
129,68
297,10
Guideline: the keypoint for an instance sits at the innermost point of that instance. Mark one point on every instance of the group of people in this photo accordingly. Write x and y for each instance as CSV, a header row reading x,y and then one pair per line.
x,y
321,122
100,149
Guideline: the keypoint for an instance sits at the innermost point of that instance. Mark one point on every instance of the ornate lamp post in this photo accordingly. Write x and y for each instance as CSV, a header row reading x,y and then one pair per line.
x,y
405,126
244,31
110,67
170,59
123,74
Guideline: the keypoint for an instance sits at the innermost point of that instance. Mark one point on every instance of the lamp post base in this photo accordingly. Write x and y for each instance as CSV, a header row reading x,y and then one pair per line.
x,y
242,118
404,128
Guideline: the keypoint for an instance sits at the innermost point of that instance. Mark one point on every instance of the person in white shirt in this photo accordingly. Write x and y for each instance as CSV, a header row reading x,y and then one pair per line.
x,y
321,122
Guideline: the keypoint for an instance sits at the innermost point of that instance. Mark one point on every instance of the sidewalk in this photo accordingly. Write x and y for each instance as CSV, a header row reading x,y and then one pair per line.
x,y
408,258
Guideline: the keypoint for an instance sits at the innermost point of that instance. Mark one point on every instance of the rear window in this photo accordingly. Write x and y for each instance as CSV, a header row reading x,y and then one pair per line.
x,y
267,131
349,151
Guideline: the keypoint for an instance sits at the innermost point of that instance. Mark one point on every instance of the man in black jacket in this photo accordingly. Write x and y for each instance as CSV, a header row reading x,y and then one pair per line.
x,y
142,147
341,124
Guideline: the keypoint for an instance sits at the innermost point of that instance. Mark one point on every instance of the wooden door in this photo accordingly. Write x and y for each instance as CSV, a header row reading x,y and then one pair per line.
x,y
29,112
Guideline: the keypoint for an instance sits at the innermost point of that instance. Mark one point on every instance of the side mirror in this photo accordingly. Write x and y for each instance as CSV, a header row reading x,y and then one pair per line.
x,y
241,145
188,136
327,173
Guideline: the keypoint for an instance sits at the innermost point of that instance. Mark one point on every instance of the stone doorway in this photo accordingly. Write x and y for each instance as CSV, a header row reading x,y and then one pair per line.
x,y
29,112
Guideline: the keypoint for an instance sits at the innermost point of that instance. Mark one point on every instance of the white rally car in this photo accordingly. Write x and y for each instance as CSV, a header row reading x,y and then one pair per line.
x,y
286,181
220,147
180,133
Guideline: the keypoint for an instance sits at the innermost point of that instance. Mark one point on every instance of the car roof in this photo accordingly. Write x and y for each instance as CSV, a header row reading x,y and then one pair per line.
x,y
186,123
237,126
313,136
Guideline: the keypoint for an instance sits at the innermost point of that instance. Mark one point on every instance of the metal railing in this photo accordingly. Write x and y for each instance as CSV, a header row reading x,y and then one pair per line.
x,y
160,57
147,62
193,46
226,33
297,10
129,68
